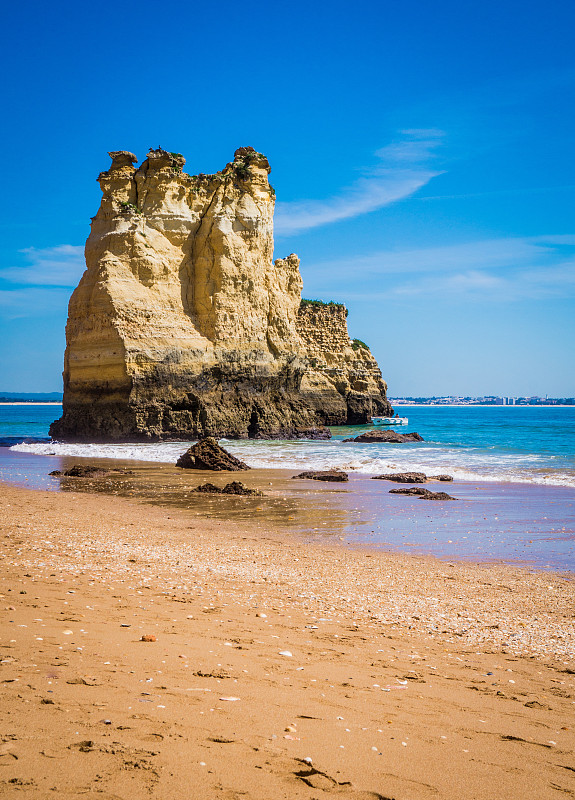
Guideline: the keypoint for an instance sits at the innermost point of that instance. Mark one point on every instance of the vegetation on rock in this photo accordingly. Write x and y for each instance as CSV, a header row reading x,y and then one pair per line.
x,y
322,304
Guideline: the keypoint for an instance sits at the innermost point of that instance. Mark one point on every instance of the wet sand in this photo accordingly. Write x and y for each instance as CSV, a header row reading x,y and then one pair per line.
x,y
527,524
280,665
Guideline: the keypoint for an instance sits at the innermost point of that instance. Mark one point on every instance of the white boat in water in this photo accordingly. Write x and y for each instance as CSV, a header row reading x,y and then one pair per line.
x,y
389,420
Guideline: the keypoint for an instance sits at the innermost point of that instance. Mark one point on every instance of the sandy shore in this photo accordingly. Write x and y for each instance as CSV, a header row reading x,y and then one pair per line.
x,y
278,668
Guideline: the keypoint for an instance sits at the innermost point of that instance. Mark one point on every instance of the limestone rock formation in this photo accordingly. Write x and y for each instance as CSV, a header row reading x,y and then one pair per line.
x,y
182,326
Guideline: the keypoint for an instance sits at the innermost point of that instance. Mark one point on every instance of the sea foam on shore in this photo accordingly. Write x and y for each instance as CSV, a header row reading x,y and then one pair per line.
x,y
505,444
468,464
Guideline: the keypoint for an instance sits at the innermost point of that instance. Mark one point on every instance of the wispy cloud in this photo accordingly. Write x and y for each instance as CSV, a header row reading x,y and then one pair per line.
x,y
402,169
531,284
505,269
33,301
51,266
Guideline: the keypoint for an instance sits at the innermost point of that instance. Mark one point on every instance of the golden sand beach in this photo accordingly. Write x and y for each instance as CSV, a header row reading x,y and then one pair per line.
x,y
146,652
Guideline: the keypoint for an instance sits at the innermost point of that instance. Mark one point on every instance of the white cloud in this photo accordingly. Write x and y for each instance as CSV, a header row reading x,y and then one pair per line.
x,y
33,301
492,253
499,269
401,172
417,145
458,283
62,265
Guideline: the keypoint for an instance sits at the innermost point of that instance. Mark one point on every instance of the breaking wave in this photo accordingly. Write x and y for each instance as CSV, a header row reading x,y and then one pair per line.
x,y
464,463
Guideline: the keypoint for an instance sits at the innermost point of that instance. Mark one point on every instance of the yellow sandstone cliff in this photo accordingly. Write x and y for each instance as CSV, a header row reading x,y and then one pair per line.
x,y
183,326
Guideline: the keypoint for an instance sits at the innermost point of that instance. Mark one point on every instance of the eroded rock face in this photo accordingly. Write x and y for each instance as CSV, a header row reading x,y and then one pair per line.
x,y
182,325
336,361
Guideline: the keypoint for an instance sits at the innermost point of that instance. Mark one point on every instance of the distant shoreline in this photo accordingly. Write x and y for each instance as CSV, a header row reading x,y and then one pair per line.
x,y
32,403
477,405
398,405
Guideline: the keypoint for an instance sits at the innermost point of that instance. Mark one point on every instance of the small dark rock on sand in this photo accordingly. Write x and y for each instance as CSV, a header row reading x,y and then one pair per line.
x,y
207,454
334,475
235,487
87,471
387,437
402,477
411,477
437,496
410,490
424,494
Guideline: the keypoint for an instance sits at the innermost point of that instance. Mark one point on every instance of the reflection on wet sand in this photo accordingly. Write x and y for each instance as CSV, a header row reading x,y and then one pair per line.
x,y
285,503
515,523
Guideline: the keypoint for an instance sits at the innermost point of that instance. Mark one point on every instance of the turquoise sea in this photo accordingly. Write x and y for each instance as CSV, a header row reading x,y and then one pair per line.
x,y
521,444
514,470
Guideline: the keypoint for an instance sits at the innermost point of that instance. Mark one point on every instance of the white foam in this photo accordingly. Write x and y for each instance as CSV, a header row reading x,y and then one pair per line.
x,y
467,464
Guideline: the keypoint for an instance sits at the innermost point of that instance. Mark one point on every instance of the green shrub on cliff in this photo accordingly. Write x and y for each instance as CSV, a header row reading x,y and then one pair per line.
x,y
321,304
357,343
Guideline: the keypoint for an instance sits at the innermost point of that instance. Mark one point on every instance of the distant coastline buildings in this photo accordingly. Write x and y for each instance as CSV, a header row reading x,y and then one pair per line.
x,y
487,400
447,400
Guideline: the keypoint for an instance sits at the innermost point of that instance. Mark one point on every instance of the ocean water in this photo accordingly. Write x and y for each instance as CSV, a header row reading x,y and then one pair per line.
x,y
532,444
514,467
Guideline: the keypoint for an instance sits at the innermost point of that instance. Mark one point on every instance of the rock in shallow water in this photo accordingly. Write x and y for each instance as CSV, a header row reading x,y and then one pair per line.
x,y
411,477
402,477
88,471
424,494
235,487
335,475
208,454
389,437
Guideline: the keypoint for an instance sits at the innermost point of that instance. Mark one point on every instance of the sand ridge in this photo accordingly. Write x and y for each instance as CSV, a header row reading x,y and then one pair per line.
x,y
407,677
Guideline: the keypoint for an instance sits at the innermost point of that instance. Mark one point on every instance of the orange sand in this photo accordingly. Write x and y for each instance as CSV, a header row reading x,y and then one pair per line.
x,y
407,678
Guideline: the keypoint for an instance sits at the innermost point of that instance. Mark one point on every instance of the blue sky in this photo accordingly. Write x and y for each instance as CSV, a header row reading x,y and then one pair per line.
x,y
422,155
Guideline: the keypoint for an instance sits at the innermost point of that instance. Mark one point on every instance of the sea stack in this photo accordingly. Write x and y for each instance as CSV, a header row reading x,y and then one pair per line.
x,y
183,326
